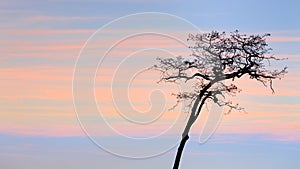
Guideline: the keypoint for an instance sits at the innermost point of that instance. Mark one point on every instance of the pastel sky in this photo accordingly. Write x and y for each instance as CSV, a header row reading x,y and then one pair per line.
x,y
40,43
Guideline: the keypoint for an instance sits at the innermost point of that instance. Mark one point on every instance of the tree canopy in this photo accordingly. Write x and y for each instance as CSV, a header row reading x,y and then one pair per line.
x,y
217,57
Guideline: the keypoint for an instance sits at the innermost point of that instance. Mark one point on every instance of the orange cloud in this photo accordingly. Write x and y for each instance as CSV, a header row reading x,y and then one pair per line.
x,y
47,83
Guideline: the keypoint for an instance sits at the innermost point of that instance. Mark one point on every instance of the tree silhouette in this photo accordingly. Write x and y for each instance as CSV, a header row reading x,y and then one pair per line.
x,y
218,58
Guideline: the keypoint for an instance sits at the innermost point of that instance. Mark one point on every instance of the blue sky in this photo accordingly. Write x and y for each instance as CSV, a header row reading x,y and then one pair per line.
x,y
245,15
239,151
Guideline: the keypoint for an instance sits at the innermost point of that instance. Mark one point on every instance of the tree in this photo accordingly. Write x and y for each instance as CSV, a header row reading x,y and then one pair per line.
x,y
218,58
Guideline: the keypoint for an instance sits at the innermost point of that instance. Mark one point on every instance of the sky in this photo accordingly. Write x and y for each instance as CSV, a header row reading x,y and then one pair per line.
x,y
75,93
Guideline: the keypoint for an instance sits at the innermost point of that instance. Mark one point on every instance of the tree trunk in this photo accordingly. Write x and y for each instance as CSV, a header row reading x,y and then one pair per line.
x,y
179,151
185,135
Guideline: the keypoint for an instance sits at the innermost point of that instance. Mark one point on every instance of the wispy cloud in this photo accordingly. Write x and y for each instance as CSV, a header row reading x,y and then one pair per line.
x,y
283,39
46,31
68,18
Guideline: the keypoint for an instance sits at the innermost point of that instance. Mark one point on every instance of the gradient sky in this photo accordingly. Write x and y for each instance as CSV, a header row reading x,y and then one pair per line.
x,y
40,42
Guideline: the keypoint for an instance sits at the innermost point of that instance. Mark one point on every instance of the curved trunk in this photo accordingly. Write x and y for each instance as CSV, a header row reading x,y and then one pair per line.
x,y
179,151
184,139
185,134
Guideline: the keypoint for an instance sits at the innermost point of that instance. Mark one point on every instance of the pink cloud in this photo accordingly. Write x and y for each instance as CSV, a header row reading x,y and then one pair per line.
x,y
47,31
53,131
36,83
283,39
67,18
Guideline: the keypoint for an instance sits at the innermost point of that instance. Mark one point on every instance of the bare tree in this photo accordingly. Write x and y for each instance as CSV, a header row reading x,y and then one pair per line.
x,y
216,58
